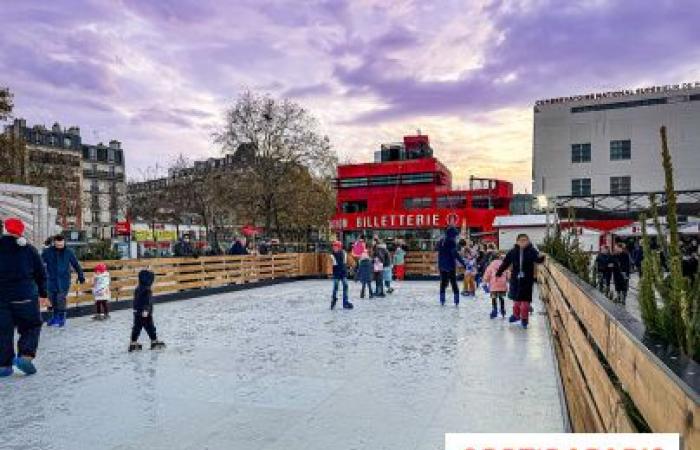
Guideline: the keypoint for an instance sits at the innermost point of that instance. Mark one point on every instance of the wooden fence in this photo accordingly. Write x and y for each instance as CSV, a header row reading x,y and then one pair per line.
x,y
599,359
177,274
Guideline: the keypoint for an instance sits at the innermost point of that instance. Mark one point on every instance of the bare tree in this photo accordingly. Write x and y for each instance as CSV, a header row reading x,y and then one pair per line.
x,y
284,138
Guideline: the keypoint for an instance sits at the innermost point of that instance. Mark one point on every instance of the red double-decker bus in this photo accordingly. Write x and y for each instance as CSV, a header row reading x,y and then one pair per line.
x,y
407,194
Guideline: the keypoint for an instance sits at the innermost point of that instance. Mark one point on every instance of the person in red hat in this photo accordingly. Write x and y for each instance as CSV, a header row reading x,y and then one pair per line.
x,y
101,292
22,276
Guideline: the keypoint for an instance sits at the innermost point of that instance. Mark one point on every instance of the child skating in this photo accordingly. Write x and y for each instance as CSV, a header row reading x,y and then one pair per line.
x,y
378,262
365,271
469,283
143,312
101,292
521,259
497,286
339,259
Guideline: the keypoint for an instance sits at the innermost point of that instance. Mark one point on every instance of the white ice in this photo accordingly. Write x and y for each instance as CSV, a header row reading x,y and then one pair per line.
x,y
273,368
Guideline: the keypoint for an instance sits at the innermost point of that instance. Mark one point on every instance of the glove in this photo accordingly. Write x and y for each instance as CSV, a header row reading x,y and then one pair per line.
x,y
81,280
144,314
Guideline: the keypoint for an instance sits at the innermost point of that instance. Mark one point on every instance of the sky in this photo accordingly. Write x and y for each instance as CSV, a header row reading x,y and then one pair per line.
x,y
158,75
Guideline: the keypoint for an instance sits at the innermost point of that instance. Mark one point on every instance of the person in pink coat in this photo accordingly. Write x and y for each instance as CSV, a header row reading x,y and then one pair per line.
x,y
498,286
358,248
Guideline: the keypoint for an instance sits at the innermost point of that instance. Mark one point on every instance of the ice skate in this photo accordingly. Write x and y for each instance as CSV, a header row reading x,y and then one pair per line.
x,y
97,317
390,290
494,313
156,345
25,365
523,323
135,346
333,302
513,319
347,305
52,322
503,313
5,371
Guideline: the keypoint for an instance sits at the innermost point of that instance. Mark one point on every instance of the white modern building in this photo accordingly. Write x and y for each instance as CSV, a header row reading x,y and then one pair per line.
x,y
608,143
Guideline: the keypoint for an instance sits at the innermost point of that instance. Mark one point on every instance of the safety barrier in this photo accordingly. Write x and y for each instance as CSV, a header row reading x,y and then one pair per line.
x,y
178,274
601,362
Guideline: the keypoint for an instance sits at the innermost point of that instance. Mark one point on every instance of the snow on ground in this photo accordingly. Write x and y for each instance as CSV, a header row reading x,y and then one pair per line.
x,y
273,368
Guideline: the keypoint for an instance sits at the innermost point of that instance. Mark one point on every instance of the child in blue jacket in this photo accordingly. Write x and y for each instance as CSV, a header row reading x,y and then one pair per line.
x,y
143,312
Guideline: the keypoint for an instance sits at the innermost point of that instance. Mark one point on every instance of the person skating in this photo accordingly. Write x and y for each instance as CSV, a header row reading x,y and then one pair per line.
x,y
469,282
447,263
497,286
183,248
358,248
400,262
365,271
101,292
339,260
604,268
59,261
22,287
143,312
378,266
387,266
521,259
621,272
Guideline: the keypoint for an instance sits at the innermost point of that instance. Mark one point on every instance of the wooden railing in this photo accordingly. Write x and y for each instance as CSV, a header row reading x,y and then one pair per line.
x,y
178,274
600,360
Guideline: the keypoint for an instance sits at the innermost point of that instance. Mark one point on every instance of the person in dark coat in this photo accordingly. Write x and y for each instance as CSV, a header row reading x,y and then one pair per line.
x,y
183,248
59,261
521,259
638,257
143,312
22,287
689,264
365,271
621,272
604,268
448,255
339,260
238,249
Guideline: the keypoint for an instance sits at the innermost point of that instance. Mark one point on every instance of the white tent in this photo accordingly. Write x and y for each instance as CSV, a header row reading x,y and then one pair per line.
x,y
690,228
635,229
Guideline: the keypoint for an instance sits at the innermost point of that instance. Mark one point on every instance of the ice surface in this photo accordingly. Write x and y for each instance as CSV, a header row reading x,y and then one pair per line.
x,y
273,368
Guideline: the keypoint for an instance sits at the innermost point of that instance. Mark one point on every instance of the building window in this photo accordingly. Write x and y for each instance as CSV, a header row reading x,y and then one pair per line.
x,y
388,180
353,182
110,155
111,171
452,202
95,186
93,153
580,153
580,187
620,185
620,150
417,178
418,203
355,206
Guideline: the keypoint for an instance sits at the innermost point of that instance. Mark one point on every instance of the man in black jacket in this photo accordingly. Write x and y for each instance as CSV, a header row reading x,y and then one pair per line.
x,y
621,272
22,277
604,268
521,259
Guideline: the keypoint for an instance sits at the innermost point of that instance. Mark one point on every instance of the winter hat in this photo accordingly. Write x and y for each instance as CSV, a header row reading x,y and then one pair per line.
x,y
14,226
101,268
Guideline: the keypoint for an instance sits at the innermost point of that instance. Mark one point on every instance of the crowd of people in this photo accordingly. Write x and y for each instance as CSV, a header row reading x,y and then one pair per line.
x,y
499,273
29,280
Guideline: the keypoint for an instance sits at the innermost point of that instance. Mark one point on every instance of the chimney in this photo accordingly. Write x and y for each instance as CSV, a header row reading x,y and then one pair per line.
x,y
114,144
75,131
56,128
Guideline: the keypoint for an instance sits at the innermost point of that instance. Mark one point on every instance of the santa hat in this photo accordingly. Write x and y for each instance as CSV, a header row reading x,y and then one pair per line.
x,y
15,227
101,268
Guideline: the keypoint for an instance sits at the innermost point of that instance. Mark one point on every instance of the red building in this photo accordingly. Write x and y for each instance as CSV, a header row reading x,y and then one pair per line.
x,y
407,194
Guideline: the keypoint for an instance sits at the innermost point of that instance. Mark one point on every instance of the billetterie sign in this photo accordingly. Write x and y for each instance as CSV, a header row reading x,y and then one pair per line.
x,y
621,93
397,221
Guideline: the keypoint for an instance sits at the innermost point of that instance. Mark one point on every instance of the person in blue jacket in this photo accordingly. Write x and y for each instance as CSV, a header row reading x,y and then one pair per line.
x,y
59,260
448,255
237,248
339,261
22,286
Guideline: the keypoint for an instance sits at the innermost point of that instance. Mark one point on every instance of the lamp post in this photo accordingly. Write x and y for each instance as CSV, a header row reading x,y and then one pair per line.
x,y
543,203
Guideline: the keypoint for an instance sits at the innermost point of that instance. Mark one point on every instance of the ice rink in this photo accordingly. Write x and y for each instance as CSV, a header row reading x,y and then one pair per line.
x,y
273,368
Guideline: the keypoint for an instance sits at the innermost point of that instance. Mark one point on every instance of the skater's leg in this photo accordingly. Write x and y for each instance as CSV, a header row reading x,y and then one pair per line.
x,y
150,327
494,306
345,290
59,307
453,282
524,311
136,328
444,280
362,290
503,304
105,307
7,334
516,312
27,317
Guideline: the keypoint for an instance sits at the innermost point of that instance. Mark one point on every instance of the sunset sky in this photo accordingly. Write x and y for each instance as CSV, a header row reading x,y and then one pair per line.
x,y
157,75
